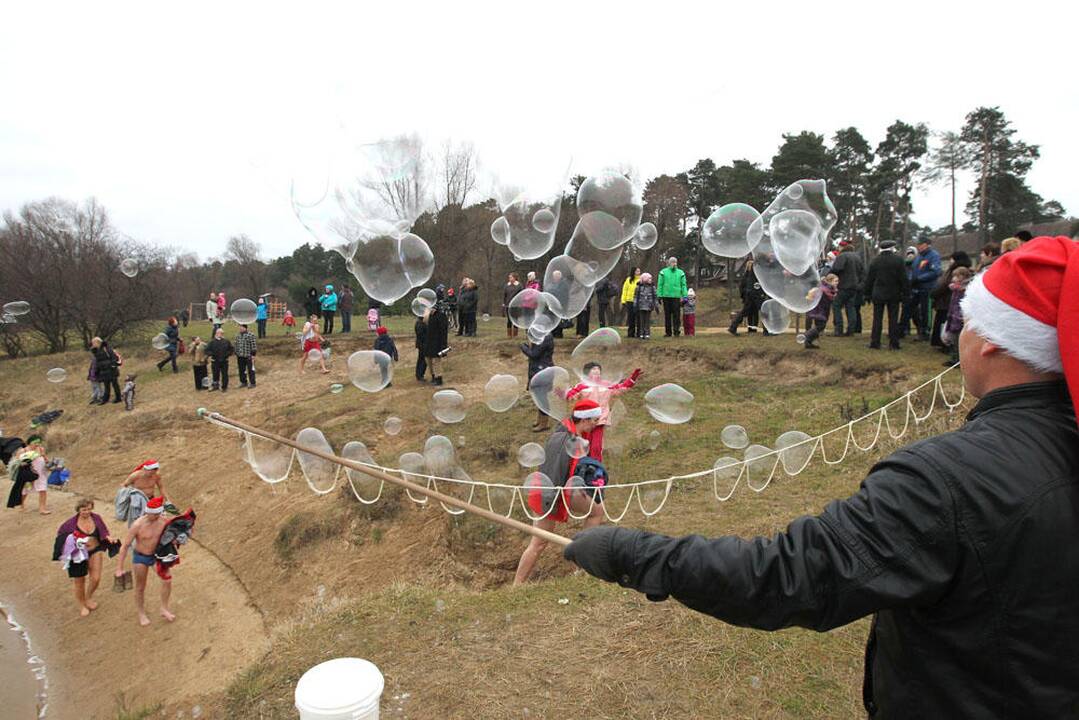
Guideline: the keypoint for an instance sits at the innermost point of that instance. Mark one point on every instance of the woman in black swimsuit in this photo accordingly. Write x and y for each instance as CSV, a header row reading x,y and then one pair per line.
x,y
90,524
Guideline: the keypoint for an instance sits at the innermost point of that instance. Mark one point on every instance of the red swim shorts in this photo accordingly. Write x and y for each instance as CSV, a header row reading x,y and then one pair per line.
x,y
560,511
309,345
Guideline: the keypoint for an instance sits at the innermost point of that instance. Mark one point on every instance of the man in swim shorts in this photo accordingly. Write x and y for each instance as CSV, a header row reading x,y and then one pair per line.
x,y
142,538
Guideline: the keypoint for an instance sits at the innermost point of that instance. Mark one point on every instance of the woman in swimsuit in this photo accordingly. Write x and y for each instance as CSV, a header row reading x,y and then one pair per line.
x,y
89,524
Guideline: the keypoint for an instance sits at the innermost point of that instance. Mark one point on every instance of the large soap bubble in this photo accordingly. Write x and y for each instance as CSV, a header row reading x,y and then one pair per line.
x,y
576,447
775,317
725,473
531,455
598,263
388,266
760,464
610,207
160,341
799,293
795,449
448,406
654,439
725,230
270,460
56,375
566,279
370,370
539,495
604,347
795,236
321,474
529,239
734,437
380,185
392,426
524,306
536,335
16,308
548,315
548,389
129,267
501,392
418,307
500,231
439,455
669,403
646,237
364,487
243,311
413,469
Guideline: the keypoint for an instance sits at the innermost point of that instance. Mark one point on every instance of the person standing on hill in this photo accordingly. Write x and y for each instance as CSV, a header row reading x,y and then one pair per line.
x,y
468,302
211,313
540,357
246,349
172,332
850,270
311,304
107,369
328,303
605,290
143,538
644,299
887,285
509,291
219,349
261,316
924,274
670,289
198,362
959,545
753,296
344,304
436,340
629,292
421,349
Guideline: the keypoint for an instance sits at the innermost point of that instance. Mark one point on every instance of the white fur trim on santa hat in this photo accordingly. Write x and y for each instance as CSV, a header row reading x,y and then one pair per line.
x,y
587,414
1028,340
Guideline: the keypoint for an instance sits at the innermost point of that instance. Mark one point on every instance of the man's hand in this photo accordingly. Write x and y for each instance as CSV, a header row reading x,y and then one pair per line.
x,y
591,550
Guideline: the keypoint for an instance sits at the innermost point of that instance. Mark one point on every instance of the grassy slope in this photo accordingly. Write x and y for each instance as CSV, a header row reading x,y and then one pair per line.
x,y
424,595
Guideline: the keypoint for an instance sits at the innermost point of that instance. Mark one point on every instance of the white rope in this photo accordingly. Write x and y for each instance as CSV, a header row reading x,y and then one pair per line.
x,y
746,468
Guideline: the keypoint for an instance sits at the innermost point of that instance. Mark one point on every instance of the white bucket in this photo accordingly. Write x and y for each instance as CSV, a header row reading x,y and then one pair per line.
x,y
340,689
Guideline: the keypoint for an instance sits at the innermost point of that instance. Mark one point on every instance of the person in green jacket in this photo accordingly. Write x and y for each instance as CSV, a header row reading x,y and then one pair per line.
x,y
671,288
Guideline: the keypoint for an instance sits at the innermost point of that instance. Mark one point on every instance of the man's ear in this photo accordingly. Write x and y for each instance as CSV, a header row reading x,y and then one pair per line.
x,y
988,349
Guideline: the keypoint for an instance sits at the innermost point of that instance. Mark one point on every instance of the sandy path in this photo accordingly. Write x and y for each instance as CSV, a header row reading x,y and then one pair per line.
x,y
91,661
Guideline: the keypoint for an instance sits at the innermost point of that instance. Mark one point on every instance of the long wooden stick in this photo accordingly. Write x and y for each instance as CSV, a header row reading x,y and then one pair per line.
x,y
401,482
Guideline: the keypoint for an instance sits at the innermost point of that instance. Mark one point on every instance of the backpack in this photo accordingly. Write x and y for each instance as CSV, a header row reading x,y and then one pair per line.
x,y
180,347
594,475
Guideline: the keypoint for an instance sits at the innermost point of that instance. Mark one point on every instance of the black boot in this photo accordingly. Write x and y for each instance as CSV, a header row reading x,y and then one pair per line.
x,y
437,380
733,329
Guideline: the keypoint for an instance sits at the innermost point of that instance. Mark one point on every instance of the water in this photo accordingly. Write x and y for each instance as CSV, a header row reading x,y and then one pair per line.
x,y
23,683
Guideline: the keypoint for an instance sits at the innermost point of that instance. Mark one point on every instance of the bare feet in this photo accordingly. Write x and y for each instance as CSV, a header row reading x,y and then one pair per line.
x,y
91,604
143,620
167,615
46,512
84,612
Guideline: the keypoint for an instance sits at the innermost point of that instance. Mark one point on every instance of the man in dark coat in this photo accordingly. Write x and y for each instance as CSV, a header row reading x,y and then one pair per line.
x,y
849,269
344,304
961,545
436,341
540,357
753,296
605,290
219,350
887,285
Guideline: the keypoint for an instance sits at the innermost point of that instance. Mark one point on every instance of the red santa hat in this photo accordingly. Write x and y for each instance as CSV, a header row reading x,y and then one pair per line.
x,y
148,465
1027,304
381,330
155,505
587,410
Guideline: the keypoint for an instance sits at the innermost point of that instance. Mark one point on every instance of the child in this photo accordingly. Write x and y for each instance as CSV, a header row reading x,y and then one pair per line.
x,y
818,316
97,389
421,344
129,393
954,324
289,322
689,312
602,392
644,299
384,343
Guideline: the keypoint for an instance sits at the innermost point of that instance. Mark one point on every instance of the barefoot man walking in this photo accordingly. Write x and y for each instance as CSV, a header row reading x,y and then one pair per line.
x,y
143,537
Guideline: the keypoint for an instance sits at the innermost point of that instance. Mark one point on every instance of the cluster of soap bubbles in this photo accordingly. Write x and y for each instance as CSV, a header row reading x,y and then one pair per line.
x,y
363,206
424,300
786,241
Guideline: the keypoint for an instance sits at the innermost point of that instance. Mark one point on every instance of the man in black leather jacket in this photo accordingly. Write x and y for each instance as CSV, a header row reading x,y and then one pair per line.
x,y
963,546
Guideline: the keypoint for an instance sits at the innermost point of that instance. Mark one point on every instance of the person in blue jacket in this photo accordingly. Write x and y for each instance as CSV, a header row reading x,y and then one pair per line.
x,y
261,315
328,302
924,273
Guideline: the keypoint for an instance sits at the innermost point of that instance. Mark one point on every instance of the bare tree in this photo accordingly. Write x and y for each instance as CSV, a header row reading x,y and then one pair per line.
x,y
391,185
457,174
246,254
948,158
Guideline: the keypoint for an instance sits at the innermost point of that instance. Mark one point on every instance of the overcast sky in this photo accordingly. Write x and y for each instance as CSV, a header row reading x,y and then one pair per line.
x,y
187,119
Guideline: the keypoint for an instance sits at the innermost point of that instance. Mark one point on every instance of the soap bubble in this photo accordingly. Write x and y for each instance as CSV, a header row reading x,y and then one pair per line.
x,y
669,403
206,382
419,307
760,464
800,338
548,314
576,447
775,317
598,263
414,469
270,460
500,231
734,437
392,426
799,293
618,413
389,266
314,354
646,236
811,196
336,388
725,230
243,311
526,241
160,341
654,439
321,474
378,182
531,455
448,406
548,389
326,354
370,370
795,236
428,296
794,451
8,318
539,496
544,220
16,308
725,474
486,317
603,346
129,267
535,335
460,441
610,207
439,455
56,375
523,307
364,487
567,280
501,392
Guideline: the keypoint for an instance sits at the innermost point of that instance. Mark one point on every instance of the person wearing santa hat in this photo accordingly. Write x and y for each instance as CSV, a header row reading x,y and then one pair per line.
x,y
142,538
131,499
553,506
962,546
